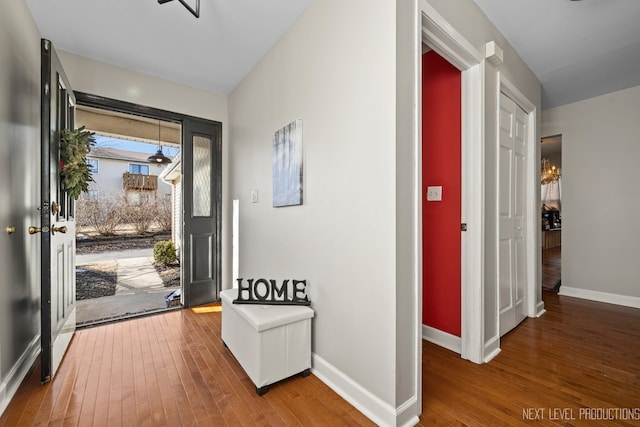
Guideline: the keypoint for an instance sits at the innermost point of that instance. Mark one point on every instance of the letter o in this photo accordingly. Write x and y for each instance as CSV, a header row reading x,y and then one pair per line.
x,y
256,289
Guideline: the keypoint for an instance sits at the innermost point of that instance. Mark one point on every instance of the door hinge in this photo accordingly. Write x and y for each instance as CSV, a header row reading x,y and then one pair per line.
x,y
463,226
46,88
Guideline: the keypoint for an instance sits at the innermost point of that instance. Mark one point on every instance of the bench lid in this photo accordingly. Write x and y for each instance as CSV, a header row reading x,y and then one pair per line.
x,y
264,317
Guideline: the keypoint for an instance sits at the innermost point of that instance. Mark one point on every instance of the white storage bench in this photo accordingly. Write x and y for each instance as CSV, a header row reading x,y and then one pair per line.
x,y
271,342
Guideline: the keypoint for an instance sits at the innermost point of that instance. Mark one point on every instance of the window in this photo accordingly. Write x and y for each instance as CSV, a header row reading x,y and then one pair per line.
x,y
139,169
93,164
93,194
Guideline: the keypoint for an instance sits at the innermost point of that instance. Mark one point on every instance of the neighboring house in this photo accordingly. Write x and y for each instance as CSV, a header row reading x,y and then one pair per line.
x,y
171,175
119,170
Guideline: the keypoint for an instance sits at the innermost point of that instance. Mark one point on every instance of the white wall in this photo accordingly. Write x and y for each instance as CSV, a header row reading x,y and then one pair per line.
x,y
340,79
354,238
469,20
99,78
600,195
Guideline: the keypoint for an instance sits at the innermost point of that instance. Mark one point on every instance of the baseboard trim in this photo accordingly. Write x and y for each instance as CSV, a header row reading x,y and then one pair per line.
x,y
540,310
14,378
443,339
406,413
627,301
370,405
491,349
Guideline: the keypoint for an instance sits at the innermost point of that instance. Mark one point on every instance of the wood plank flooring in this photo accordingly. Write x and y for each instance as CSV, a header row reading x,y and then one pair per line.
x,y
172,370
551,267
168,370
580,354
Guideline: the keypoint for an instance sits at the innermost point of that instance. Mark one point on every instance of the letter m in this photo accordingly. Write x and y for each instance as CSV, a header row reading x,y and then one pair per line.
x,y
279,294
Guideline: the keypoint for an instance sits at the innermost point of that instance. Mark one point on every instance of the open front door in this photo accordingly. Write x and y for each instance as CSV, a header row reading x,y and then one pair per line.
x,y
202,201
57,218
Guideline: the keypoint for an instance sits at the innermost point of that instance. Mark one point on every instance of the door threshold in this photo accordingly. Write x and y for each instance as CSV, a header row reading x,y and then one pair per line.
x,y
123,317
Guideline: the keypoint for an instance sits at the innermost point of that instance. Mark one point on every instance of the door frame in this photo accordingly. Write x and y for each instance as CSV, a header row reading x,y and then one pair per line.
x,y
110,104
440,36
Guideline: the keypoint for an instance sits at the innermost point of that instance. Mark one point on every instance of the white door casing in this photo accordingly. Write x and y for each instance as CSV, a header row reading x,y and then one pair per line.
x,y
512,258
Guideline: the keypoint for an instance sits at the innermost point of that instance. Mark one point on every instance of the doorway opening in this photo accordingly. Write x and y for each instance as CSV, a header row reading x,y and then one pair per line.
x,y
480,334
441,201
437,34
196,175
551,200
128,237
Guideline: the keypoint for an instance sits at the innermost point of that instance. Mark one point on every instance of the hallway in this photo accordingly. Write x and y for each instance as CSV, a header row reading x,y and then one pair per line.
x,y
551,267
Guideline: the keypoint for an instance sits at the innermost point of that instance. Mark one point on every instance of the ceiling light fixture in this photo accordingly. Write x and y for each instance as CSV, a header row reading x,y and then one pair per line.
x,y
195,12
549,173
159,158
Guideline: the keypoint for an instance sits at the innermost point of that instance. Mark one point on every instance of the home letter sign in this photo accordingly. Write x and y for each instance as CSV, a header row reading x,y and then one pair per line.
x,y
263,291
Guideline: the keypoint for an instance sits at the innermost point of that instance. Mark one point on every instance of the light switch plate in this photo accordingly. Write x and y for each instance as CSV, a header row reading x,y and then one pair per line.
x,y
254,196
434,193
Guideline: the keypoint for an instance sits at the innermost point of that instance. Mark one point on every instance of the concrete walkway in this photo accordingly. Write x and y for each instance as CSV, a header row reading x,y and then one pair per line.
x,y
113,255
139,288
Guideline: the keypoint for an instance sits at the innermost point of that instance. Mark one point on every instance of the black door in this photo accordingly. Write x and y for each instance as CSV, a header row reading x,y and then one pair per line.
x,y
57,226
202,207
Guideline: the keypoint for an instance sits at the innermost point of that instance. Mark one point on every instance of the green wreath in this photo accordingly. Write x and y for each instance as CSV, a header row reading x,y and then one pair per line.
x,y
75,172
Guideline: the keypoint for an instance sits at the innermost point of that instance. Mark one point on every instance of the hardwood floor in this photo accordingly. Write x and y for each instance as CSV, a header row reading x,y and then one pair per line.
x,y
551,267
171,369
580,354
167,370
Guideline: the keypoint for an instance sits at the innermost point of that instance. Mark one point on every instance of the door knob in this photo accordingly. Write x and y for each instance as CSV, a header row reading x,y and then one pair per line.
x,y
55,229
11,230
34,230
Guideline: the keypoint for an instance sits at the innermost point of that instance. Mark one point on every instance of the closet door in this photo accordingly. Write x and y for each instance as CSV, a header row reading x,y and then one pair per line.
x,y
512,246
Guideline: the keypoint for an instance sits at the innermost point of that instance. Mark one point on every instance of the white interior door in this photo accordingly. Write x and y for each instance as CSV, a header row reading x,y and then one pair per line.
x,y
58,285
512,248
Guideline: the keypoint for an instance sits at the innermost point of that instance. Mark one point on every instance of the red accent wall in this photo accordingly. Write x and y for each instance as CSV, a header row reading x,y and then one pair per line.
x,y
441,165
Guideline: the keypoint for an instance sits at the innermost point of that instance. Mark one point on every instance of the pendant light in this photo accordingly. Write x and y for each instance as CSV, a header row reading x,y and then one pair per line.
x,y
159,158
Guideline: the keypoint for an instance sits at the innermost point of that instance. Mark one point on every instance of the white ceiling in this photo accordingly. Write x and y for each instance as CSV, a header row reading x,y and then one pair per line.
x,y
214,52
577,49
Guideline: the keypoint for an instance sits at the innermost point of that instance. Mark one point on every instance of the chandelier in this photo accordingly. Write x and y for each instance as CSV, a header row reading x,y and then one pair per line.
x,y
549,173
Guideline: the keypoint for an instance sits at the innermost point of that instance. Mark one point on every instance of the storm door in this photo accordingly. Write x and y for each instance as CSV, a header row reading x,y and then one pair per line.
x,y
202,178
